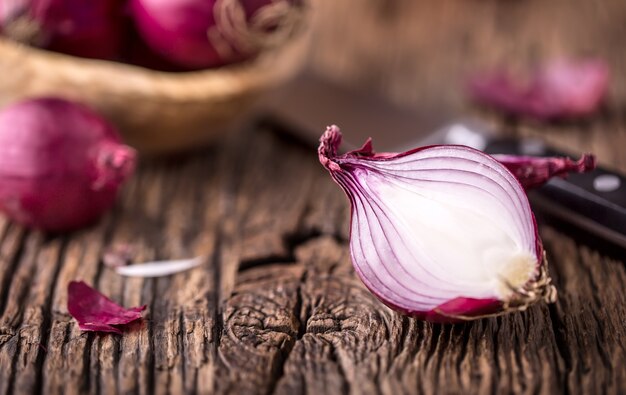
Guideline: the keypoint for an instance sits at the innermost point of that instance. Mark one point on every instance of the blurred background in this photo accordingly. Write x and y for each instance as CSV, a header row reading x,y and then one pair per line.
x,y
420,53
168,93
249,198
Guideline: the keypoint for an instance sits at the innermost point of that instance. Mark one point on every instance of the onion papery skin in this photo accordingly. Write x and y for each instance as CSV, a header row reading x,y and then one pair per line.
x,y
385,256
533,172
197,34
558,89
61,164
95,312
90,29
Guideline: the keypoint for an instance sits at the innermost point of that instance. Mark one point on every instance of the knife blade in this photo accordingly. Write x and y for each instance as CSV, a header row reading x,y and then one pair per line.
x,y
309,103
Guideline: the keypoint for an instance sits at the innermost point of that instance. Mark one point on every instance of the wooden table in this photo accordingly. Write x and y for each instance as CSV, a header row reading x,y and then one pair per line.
x,y
276,308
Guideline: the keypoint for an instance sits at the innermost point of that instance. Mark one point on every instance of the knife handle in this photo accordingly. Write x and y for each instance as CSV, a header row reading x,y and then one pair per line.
x,y
594,201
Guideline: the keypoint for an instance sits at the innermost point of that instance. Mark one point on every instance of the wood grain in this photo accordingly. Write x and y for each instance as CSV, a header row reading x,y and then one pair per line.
x,y
276,306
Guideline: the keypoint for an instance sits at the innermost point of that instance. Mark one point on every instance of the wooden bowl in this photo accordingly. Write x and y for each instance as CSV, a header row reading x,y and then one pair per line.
x,y
156,112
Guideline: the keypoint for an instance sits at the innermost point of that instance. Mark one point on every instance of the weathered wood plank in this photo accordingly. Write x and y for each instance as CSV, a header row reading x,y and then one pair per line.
x,y
276,307
35,326
310,323
66,363
10,353
343,324
589,315
10,253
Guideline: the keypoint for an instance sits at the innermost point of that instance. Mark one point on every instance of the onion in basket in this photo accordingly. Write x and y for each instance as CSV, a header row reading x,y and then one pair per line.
x,y
90,29
198,34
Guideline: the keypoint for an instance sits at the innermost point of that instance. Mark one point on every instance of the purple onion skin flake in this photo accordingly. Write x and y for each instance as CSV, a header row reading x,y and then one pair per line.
x,y
560,89
533,172
95,312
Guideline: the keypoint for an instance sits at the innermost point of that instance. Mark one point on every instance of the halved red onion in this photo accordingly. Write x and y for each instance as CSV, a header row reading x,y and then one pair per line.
x,y
444,233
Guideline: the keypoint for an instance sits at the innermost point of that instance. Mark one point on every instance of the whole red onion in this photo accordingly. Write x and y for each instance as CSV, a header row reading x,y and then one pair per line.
x,y
89,29
205,33
61,164
138,53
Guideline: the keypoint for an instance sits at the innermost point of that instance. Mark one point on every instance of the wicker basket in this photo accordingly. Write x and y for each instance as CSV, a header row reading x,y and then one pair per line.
x,y
156,112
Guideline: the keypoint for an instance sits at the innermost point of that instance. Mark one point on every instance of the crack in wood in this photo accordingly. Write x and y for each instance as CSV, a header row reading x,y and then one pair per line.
x,y
497,324
345,382
5,226
465,339
12,373
151,354
13,262
181,343
561,343
291,242
218,320
301,319
47,321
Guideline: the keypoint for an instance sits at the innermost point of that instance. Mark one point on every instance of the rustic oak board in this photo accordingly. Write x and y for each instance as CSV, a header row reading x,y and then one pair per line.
x,y
276,307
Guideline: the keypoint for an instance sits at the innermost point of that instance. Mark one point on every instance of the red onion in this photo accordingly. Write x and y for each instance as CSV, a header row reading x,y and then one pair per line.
x,y
96,312
206,33
444,233
138,53
559,89
61,164
89,29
